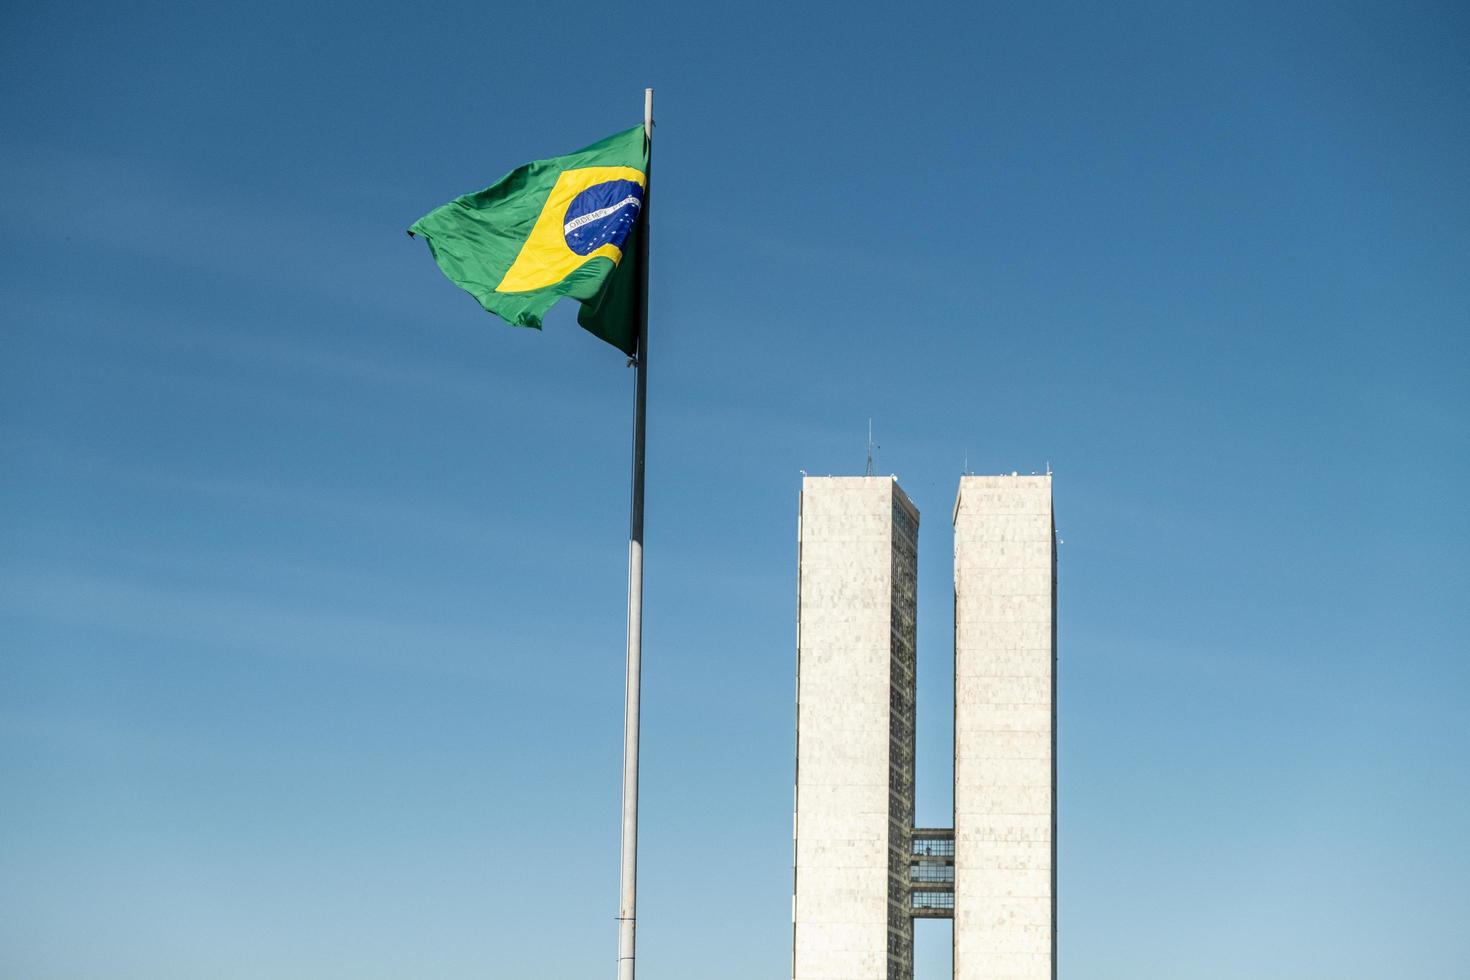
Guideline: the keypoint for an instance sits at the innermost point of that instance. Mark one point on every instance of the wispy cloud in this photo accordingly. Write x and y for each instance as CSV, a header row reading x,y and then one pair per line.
x,y
234,622
304,365
352,507
195,225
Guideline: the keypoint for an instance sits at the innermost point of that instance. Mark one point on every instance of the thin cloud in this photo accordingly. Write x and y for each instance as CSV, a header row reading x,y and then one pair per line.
x,y
234,622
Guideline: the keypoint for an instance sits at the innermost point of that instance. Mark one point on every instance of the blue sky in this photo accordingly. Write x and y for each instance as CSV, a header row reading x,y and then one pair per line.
x,y
312,574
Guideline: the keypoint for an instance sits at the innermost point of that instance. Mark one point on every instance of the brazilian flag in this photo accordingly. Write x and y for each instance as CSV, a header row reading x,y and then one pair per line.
x,y
567,226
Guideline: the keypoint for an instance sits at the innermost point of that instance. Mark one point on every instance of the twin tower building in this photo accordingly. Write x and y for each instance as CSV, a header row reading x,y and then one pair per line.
x,y
863,871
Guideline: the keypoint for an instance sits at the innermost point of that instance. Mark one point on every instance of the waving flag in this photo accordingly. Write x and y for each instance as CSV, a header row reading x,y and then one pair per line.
x,y
574,226
560,227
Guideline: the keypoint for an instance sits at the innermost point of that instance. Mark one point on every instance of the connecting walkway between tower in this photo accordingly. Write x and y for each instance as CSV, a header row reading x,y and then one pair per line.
x,y
931,873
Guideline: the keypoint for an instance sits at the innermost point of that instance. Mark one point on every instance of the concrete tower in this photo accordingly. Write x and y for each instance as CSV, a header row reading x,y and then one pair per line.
x,y
1004,729
855,730
863,872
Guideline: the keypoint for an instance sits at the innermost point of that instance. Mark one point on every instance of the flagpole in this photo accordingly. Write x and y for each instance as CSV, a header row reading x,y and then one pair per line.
x,y
628,891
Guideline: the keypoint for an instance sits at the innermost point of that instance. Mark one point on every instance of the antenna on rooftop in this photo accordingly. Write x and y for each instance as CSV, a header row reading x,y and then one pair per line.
x,y
871,448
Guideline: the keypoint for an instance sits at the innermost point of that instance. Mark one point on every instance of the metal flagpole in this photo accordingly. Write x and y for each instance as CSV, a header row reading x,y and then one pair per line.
x,y
628,892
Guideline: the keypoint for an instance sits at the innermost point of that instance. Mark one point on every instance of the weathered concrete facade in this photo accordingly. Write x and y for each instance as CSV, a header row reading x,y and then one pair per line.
x,y
1005,729
855,730
862,871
